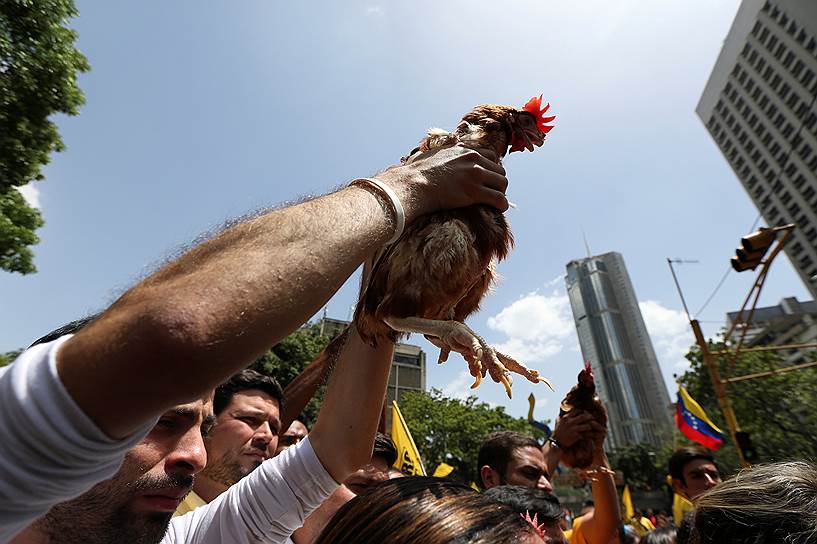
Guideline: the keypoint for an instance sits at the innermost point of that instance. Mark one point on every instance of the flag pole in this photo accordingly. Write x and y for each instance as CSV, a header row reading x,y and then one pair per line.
x,y
720,389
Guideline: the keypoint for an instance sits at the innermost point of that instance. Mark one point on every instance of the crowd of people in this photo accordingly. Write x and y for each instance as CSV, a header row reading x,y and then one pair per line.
x,y
141,425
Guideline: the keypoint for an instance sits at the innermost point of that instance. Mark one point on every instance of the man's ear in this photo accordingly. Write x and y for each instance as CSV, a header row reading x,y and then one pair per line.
x,y
679,487
490,477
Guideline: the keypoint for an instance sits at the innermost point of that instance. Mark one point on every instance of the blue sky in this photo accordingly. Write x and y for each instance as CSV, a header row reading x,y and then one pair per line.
x,y
200,112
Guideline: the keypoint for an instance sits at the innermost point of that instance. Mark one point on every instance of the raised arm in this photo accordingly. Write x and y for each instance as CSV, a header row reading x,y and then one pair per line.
x,y
190,325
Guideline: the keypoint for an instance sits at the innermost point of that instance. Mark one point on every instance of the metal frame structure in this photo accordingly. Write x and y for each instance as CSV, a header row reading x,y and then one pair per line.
x,y
719,384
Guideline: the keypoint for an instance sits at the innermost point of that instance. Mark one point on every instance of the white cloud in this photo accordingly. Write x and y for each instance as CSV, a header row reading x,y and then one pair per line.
x,y
374,10
537,326
31,194
459,387
670,333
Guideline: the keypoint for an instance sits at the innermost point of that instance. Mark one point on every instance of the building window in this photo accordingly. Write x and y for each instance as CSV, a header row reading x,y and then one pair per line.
x,y
797,249
808,193
811,235
806,261
786,198
789,58
807,78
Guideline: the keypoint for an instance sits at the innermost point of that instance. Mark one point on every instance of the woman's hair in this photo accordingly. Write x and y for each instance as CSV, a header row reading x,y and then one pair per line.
x,y
427,510
776,502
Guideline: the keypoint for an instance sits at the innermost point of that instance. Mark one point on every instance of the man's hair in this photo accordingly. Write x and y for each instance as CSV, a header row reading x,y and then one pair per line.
x,y
384,447
69,328
776,502
244,380
663,535
497,449
684,455
530,500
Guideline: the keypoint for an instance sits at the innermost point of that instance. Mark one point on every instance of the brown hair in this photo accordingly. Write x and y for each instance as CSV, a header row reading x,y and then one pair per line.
x,y
685,455
497,449
776,502
427,510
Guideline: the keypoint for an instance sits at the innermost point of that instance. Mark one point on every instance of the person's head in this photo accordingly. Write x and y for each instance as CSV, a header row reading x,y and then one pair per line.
x,y
693,471
427,510
664,535
384,454
587,507
296,432
248,419
137,503
776,502
533,502
511,458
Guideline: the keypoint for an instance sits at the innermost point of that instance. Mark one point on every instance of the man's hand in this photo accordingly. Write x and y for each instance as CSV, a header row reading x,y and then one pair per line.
x,y
451,177
574,426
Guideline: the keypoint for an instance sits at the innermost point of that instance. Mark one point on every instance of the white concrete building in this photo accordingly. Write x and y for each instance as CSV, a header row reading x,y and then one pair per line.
x,y
759,106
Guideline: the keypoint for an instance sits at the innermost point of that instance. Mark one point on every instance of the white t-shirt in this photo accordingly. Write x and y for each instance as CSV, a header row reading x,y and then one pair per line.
x,y
50,451
265,506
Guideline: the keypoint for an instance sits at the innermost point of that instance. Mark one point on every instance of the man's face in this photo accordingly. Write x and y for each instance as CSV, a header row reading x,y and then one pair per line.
x,y
137,503
527,468
296,432
699,475
246,433
374,472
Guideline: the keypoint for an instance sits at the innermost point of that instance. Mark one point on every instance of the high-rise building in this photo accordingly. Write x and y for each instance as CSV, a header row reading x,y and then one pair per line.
x,y
759,106
789,323
613,337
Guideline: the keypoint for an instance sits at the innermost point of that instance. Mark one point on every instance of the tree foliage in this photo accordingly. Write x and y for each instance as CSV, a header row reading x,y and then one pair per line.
x,y
18,221
38,78
8,357
779,412
451,430
644,466
290,356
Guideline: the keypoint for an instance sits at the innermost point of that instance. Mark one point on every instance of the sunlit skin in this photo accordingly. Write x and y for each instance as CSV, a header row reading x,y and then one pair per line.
x,y
245,435
526,467
700,475
297,431
374,472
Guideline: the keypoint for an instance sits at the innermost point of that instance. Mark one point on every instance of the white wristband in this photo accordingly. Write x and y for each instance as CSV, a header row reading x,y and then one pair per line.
x,y
391,196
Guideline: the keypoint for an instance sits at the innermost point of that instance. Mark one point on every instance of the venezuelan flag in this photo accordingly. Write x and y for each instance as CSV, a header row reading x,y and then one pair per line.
x,y
694,423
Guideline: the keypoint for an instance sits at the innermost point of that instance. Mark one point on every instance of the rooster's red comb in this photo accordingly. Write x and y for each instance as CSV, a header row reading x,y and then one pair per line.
x,y
539,528
533,106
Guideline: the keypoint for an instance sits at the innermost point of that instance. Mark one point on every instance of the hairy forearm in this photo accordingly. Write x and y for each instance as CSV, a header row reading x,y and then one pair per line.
x,y
343,435
214,310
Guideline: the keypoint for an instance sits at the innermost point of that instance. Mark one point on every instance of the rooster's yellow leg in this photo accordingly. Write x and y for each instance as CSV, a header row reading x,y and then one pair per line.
x,y
515,366
456,336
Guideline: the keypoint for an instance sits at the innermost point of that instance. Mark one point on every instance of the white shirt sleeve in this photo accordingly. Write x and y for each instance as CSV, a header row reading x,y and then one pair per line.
x,y
50,450
266,506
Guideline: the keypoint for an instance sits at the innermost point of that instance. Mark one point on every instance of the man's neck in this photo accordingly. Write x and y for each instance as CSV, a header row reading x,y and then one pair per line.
x,y
208,489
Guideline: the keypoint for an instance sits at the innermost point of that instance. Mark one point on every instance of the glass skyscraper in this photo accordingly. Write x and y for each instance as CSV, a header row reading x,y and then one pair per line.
x,y
613,337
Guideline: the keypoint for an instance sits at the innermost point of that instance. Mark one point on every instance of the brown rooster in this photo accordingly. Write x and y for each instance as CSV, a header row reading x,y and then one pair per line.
x,y
432,278
583,397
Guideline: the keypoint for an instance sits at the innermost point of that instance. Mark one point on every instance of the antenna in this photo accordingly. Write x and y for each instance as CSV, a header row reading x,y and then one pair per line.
x,y
586,245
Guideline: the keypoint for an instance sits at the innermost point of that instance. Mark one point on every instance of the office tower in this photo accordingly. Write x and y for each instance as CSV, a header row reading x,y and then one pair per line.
x,y
613,337
759,106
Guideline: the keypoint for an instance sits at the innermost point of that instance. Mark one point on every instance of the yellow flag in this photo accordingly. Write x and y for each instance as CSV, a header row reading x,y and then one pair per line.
x,y
443,470
408,458
627,502
680,506
475,487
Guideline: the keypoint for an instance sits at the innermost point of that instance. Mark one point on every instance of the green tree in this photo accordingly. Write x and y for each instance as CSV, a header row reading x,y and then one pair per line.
x,y
779,412
38,77
9,356
451,430
290,356
644,466
18,221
